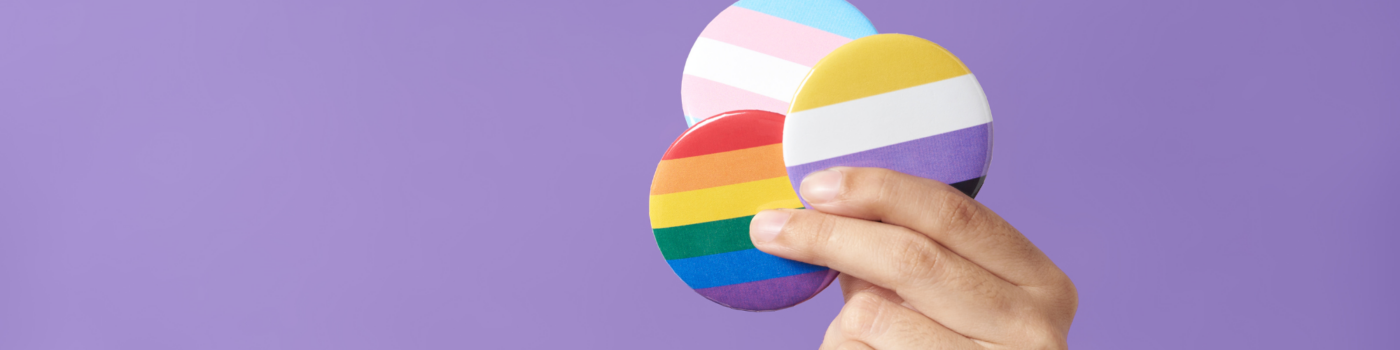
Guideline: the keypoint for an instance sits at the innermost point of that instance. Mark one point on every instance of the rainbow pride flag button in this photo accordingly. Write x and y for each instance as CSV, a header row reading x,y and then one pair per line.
x,y
708,186
891,101
754,54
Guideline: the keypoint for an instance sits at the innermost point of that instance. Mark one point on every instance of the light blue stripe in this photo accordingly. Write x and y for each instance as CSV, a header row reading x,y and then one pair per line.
x,y
690,121
747,265
835,16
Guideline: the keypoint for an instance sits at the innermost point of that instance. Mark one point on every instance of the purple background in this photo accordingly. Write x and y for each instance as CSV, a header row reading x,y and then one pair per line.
x,y
449,175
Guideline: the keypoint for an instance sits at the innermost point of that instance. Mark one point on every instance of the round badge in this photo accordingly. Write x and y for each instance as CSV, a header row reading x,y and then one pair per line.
x,y
707,188
755,53
891,101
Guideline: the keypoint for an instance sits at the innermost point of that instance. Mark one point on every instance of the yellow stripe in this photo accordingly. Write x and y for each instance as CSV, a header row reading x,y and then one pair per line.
x,y
723,202
875,65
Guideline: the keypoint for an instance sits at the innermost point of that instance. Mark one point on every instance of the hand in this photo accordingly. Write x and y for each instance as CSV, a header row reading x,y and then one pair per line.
x,y
923,266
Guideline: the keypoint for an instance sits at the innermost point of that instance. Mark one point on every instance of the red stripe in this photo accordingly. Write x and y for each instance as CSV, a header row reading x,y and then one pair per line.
x,y
727,132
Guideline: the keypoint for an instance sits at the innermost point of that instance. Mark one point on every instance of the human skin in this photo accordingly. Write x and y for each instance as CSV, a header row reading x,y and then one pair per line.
x,y
923,266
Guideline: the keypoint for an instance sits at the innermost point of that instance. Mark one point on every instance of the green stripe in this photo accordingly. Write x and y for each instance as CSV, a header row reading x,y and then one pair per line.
x,y
706,238
714,237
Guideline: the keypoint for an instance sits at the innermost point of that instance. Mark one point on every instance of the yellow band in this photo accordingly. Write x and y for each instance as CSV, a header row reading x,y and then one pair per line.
x,y
723,202
875,65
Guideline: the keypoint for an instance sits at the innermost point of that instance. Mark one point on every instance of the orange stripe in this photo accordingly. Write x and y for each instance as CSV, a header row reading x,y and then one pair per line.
x,y
719,169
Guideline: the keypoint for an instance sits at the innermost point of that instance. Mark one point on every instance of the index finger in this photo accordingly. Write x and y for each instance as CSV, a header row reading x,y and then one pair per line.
x,y
937,210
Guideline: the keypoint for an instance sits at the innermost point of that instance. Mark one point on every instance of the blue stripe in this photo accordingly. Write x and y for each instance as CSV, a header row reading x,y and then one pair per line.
x,y
736,267
835,16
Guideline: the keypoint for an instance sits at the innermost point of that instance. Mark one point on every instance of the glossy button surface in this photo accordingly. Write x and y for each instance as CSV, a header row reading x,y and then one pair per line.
x,y
756,52
707,188
891,101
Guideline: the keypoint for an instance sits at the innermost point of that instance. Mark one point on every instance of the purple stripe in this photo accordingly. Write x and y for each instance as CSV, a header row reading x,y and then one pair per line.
x,y
770,294
949,157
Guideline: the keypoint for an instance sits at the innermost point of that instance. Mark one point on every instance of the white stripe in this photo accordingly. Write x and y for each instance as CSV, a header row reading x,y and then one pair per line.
x,y
745,69
876,121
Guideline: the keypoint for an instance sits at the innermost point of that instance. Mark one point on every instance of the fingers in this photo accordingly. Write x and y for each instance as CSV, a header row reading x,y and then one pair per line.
x,y
850,285
832,338
853,345
869,321
934,209
927,276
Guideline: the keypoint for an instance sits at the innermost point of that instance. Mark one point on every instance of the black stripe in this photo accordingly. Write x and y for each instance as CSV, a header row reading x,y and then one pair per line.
x,y
969,187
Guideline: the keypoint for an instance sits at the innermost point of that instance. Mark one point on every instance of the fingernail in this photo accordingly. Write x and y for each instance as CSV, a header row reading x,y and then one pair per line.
x,y
767,224
821,186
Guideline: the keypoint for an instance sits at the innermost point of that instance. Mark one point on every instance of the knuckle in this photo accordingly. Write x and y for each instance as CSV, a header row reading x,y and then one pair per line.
x,y
955,210
810,235
916,261
823,232
872,184
1045,338
986,289
860,316
851,345
1068,296
1038,332
1059,294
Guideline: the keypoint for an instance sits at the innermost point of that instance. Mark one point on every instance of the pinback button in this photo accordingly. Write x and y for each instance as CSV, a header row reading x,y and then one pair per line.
x,y
756,52
891,101
708,186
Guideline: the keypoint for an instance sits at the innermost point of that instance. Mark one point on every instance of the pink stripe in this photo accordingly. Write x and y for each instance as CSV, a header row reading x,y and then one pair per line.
x,y
703,98
774,36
